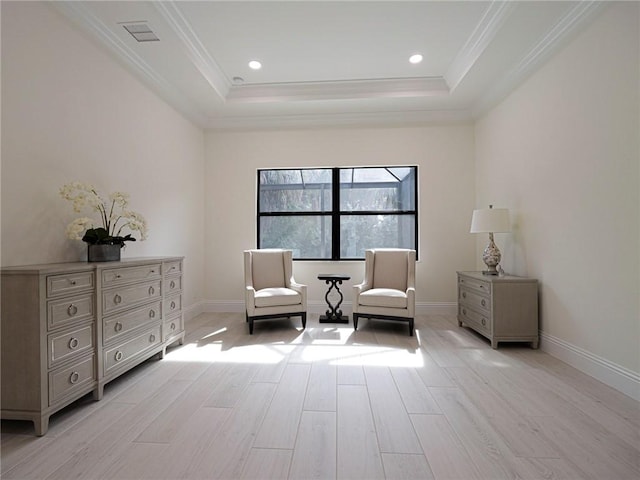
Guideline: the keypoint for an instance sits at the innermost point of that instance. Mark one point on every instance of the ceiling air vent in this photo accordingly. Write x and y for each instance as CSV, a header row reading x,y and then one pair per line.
x,y
141,32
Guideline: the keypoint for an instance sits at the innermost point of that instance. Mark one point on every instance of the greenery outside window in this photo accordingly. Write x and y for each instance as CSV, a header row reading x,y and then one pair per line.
x,y
337,213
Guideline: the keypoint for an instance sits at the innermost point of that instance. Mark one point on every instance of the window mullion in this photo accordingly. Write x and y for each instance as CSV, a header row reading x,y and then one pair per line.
x,y
335,214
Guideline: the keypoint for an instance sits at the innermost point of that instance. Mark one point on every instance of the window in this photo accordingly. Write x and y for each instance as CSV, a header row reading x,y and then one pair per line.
x,y
337,213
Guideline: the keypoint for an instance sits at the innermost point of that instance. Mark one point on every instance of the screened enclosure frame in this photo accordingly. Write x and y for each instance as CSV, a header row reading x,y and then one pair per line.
x,y
324,205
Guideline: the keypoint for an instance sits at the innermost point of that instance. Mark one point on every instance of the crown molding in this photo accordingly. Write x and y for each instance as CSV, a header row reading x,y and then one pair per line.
x,y
196,51
484,33
350,89
575,18
81,16
387,119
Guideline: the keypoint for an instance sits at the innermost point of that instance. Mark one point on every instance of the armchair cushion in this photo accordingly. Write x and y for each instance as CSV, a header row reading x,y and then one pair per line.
x,y
271,297
390,270
268,270
383,297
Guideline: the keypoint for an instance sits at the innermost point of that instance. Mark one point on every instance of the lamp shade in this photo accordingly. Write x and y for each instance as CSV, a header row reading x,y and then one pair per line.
x,y
490,220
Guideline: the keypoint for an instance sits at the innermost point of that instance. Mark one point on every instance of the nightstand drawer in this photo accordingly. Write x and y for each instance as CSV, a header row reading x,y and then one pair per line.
x,y
475,284
474,300
69,283
475,319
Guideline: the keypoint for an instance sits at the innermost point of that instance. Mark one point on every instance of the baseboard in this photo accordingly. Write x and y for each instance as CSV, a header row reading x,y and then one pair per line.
x,y
609,373
319,307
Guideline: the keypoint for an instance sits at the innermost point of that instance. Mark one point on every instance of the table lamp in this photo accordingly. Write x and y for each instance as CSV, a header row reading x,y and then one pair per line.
x,y
490,220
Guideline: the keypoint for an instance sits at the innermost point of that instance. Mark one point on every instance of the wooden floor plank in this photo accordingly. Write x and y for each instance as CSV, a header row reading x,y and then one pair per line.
x,y
330,402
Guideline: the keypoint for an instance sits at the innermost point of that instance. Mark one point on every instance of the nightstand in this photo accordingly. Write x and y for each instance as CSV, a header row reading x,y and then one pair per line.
x,y
501,308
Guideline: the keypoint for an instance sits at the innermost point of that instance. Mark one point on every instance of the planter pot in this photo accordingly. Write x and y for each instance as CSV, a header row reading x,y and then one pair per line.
x,y
103,253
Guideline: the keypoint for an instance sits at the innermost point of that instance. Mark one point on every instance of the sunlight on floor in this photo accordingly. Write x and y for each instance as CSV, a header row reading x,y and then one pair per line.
x,y
334,346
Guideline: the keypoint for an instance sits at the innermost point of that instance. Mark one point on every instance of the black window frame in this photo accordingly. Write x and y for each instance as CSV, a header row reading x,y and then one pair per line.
x,y
336,213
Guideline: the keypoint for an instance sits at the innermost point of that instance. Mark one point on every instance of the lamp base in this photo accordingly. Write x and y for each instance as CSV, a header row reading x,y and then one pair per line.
x,y
490,272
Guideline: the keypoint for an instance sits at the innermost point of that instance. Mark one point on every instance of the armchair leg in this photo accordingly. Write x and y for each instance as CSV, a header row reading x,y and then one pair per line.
x,y
246,316
250,326
355,321
304,320
411,327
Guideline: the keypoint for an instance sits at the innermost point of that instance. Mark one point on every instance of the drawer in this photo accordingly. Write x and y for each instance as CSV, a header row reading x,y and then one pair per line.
x,y
122,275
116,326
119,354
123,297
69,283
70,309
65,345
172,327
477,320
474,300
172,285
173,304
67,381
475,284
173,268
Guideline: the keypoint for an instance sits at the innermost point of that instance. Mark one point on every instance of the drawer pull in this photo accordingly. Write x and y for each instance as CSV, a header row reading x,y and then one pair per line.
x,y
464,311
483,302
152,271
172,285
117,299
464,294
152,313
152,290
481,286
173,305
118,327
172,268
173,325
74,377
72,310
118,356
72,282
152,338
484,322
118,276
73,343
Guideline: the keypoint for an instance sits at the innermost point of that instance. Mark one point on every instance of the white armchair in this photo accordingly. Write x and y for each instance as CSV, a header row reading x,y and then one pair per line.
x,y
389,288
270,289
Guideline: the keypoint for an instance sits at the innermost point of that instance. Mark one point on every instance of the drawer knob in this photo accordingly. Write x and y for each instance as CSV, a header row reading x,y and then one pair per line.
x,y
117,299
153,271
173,326
481,286
118,327
152,338
152,290
484,322
73,343
152,313
72,282
74,377
172,284
72,310
464,311
483,302
464,294
118,356
118,276
173,305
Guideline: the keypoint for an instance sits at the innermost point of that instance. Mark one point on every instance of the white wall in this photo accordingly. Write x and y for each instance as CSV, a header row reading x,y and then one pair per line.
x,y
70,112
562,152
444,156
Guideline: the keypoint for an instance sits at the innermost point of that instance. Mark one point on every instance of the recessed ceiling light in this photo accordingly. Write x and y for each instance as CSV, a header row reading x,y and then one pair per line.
x,y
416,58
255,65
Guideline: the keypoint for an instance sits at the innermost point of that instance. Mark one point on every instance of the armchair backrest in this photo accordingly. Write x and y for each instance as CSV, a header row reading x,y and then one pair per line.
x,y
391,268
268,268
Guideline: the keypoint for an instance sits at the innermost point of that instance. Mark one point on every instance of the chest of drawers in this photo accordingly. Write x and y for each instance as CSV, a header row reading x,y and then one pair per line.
x,y
68,329
501,308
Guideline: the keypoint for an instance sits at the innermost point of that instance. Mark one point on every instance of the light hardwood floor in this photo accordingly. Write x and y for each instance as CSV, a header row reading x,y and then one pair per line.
x,y
330,403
